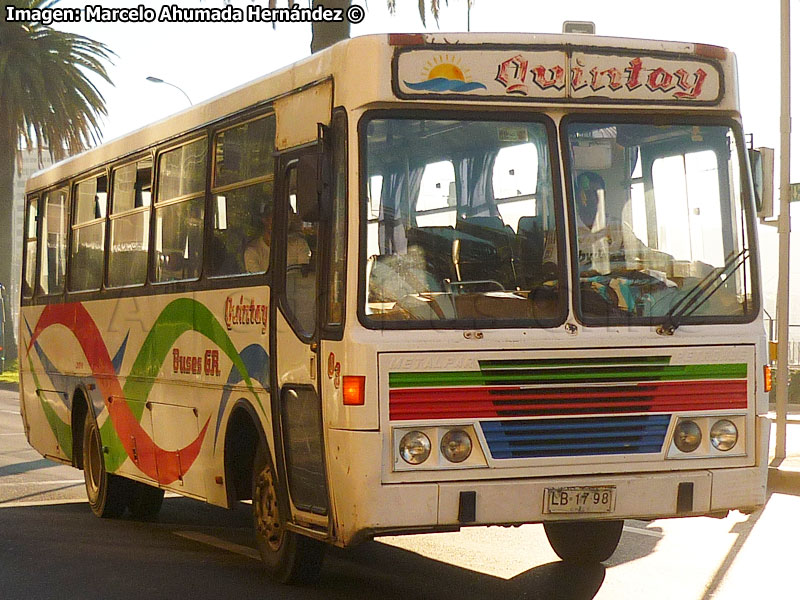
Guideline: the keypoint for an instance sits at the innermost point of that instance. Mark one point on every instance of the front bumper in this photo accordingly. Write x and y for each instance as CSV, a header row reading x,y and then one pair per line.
x,y
365,506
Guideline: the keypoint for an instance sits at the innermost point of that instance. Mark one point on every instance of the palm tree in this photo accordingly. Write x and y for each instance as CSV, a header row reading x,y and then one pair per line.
x,y
327,34
46,100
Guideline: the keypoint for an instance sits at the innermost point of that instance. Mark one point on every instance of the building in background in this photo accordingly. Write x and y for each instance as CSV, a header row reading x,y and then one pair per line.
x,y
30,163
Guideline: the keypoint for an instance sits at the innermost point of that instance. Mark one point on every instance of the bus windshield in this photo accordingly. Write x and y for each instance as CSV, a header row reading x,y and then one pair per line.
x,y
659,221
459,215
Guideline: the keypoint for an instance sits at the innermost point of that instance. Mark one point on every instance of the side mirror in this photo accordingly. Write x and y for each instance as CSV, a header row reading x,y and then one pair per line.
x,y
307,192
313,180
762,165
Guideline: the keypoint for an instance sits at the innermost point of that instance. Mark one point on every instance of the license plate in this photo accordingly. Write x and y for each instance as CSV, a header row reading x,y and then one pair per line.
x,y
580,499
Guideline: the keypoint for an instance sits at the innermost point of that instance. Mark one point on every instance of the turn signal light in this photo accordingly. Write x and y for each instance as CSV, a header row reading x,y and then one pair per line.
x,y
353,390
767,378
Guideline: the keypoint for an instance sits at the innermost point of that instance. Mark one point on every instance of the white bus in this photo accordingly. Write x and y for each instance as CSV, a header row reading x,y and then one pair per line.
x,y
409,284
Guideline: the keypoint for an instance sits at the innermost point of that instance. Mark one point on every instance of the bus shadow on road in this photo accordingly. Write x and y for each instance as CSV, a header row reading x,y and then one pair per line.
x,y
375,569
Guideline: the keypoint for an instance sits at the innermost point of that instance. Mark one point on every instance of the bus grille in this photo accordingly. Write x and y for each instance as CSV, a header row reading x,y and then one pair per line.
x,y
541,438
560,387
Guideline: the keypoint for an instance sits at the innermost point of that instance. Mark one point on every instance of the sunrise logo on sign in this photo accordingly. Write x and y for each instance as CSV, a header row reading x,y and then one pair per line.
x,y
445,74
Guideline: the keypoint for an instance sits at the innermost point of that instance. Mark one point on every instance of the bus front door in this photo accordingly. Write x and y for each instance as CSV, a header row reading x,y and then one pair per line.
x,y
298,412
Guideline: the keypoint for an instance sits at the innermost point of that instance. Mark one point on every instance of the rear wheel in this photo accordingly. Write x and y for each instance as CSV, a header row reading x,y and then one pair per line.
x,y
287,556
145,500
108,494
584,541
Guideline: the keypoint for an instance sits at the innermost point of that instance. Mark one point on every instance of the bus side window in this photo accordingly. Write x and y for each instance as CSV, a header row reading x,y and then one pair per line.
x,y
31,223
180,206
88,235
242,190
130,223
53,255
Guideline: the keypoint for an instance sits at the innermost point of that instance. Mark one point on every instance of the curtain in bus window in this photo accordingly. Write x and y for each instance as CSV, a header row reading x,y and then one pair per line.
x,y
54,247
474,177
544,185
398,197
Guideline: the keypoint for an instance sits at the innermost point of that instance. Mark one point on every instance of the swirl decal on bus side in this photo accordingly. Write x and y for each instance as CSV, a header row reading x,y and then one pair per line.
x,y
122,432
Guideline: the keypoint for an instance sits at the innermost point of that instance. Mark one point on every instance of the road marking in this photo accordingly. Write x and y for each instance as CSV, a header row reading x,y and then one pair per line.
x,y
13,412
20,433
49,482
216,542
27,503
654,534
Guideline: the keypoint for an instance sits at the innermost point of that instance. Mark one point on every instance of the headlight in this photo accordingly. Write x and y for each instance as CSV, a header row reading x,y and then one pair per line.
x,y
724,435
456,445
415,447
687,436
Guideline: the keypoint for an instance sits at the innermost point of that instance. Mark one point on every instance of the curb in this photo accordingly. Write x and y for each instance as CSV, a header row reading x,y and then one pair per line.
x,y
783,481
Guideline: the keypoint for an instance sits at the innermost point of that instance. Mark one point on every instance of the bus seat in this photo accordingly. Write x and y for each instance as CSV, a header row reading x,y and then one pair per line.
x,y
530,241
494,223
486,250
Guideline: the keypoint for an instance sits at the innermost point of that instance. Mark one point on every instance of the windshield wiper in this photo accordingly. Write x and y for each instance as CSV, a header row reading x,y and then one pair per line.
x,y
700,293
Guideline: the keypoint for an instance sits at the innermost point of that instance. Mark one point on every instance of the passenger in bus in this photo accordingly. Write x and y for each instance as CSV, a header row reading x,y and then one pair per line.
x,y
256,254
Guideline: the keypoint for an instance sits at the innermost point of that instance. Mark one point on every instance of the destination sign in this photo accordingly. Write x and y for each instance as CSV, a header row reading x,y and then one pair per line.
x,y
556,75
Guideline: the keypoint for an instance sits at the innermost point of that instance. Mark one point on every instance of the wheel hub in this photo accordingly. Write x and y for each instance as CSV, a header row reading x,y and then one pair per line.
x,y
265,504
93,468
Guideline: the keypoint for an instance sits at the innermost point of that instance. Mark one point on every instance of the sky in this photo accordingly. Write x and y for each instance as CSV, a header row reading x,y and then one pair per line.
x,y
207,59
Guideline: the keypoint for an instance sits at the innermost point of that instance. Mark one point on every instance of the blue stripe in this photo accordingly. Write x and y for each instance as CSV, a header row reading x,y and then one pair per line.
x,y
576,437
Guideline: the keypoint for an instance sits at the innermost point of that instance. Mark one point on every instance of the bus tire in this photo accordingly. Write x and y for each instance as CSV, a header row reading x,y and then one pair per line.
x,y
108,494
145,500
584,541
288,557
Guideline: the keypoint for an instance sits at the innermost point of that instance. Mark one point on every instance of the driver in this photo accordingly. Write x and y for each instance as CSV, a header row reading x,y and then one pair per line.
x,y
605,245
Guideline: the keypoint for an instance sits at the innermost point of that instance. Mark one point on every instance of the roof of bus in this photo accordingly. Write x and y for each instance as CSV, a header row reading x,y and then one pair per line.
x,y
358,81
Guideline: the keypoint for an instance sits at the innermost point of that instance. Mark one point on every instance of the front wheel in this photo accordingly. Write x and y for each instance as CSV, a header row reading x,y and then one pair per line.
x,y
287,556
584,541
108,494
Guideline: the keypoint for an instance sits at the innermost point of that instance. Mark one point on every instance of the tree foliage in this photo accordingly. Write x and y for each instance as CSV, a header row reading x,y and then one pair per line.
x,y
47,101
47,98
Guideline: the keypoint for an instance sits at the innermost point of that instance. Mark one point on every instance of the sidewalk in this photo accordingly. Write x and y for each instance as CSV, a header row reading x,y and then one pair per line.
x,y
784,475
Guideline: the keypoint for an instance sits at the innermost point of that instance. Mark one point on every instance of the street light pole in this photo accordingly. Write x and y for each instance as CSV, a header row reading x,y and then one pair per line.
x,y
157,80
784,228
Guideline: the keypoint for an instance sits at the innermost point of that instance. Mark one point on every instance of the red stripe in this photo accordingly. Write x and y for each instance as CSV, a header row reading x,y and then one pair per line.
x,y
162,465
496,401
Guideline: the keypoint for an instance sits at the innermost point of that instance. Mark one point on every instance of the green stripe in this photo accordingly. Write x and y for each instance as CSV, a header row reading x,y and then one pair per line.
x,y
469,378
178,317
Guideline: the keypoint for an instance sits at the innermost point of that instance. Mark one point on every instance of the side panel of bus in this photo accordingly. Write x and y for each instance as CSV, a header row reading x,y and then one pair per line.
x,y
161,374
